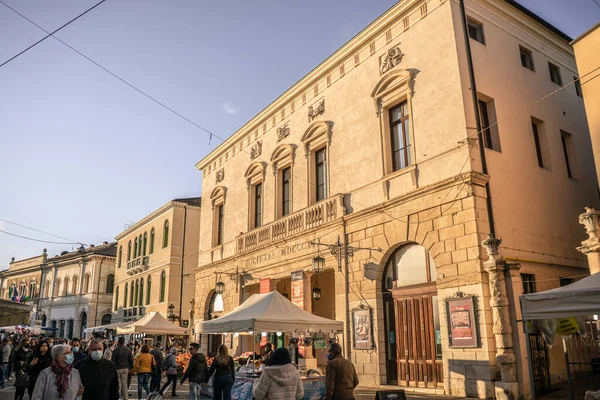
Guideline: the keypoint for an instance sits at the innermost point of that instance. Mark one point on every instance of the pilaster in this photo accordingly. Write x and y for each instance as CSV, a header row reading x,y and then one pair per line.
x,y
591,246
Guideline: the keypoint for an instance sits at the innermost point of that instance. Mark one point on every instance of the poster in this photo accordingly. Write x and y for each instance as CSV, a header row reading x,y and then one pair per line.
x,y
265,285
362,328
461,322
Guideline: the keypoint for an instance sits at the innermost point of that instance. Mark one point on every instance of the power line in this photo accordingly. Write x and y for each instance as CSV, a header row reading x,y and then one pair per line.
x,y
36,240
49,34
596,2
37,230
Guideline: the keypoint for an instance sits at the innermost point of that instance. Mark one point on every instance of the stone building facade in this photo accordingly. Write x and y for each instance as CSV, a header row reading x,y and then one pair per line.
x,y
69,292
375,154
155,262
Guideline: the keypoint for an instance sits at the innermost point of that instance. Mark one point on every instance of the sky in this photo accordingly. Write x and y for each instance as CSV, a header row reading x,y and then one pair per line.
x,y
82,154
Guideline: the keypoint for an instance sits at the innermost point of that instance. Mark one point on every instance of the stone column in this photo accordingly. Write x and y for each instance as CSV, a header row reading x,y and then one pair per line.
x,y
507,388
591,246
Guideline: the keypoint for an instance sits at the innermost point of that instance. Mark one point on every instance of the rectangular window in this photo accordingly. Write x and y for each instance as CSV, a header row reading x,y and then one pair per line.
x,y
566,281
400,141
219,225
528,283
578,86
476,31
566,139
538,145
285,191
555,74
526,58
257,205
321,174
487,117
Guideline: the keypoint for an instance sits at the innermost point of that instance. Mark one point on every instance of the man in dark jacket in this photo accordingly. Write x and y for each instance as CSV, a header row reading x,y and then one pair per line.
x,y
340,376
98,375
123,360
196,371
78,353
157,353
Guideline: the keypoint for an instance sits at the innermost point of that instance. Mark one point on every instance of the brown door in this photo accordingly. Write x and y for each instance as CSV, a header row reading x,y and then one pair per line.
x,y
418,347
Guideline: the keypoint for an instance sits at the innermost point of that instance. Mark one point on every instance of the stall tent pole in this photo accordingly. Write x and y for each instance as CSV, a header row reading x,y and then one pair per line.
x,y
529,360
568,369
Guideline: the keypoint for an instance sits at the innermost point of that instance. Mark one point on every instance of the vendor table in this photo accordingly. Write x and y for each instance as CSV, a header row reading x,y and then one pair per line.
x,y
314,388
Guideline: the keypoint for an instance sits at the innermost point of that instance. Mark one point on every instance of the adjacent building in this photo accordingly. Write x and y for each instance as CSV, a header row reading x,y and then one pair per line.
x,y
373,163
156,258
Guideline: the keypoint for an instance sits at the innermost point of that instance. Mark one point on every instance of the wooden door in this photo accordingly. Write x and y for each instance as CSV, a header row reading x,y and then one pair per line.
x,y
418,361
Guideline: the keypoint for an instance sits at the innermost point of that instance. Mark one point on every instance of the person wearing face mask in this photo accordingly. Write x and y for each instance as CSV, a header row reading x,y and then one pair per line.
x,y
38,361
21,356
98,375
78,353
59,380
340,375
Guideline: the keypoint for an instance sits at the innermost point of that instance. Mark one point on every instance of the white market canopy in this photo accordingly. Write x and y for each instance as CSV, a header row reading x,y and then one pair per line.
x,y
581,298
152,323
269,312
103,328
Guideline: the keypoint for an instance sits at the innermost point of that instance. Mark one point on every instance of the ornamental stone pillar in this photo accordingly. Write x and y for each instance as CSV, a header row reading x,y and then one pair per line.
x,y
507,388
591,246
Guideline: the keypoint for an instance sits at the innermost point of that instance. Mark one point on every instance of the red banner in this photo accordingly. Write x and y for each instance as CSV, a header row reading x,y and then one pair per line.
x,y
265,285
297,279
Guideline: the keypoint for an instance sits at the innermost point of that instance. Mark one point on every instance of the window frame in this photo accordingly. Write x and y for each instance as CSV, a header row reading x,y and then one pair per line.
x,y
286,191
488,121
317,137
152,237
570,157
129,251
218,196
528,53
165,243
126,293
321,168
404,124
529,283
282,160
163,286
578,88
537,142
554,67
110,288
120,256
148,289
116,306
478,26
145,239
257,204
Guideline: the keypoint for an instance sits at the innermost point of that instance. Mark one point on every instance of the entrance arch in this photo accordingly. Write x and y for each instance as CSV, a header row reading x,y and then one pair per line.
x,y
413,350
214,306
83,324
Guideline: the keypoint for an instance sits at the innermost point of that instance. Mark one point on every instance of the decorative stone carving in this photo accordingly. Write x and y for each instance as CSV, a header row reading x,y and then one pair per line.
x,y
283,132
591,246
316,109
491,245
256,150
391,59
220,175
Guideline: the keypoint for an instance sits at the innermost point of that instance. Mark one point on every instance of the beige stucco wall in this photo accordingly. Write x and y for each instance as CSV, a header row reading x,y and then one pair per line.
x,y
586,53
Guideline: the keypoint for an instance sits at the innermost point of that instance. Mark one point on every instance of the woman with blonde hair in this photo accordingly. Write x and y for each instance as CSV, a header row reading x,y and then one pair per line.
x,y
223,369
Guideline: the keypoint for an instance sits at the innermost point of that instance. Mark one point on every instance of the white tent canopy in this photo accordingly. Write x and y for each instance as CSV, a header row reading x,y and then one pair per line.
x,y
580,298
152,323
103,328
269,312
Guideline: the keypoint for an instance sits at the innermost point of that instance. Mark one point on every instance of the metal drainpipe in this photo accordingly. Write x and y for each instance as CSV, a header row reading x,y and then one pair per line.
x,y
182,264
484,168
345,272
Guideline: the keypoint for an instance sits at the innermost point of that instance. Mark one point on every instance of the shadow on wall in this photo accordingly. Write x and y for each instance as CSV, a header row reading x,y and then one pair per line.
x,y
471,378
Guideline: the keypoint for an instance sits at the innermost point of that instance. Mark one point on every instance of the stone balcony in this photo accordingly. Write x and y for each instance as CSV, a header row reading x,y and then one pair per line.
x,y
291,225
137,265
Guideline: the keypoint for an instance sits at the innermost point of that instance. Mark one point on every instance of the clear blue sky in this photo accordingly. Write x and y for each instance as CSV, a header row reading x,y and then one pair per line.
x,y
82,154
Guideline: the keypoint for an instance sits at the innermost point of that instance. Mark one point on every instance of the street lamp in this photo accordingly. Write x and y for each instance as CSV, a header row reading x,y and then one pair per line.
x,y
219,287
316,293
170,314
318,264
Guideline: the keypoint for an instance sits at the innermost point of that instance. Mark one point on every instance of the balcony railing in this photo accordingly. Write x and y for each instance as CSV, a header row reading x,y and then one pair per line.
x,y
133,312
137,265
311,217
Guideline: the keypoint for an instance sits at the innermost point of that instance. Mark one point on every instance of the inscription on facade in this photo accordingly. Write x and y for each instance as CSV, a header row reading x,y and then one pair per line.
x,y
278,254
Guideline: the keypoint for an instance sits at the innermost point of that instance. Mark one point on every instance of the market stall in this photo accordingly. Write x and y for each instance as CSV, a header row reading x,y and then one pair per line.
x,y
270,312
105,328
556,310
152,323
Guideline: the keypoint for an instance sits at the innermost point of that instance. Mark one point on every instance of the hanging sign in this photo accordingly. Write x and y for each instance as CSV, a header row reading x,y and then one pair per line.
x,y
567,326
297,278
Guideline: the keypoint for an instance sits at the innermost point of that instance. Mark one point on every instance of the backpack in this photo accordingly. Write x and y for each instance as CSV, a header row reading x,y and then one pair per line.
x,y
166,364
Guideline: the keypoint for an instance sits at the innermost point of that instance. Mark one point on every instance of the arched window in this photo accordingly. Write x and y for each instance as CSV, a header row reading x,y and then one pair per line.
x,y
117,299
163,284
152,240
57,287
86,283
106,318
53,323
131,295
166,234
141,298
32,289
145,242
22,289
140,246
61,331
110,283
129,251
66,288
137,293
83,324
47,288
149,286
409,265
44,320
70,327
125,297
135,248
75,281
120,257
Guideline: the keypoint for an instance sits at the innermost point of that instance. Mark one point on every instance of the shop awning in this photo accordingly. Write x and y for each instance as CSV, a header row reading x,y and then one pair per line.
x,y
270,312
152,323
103,328
581,298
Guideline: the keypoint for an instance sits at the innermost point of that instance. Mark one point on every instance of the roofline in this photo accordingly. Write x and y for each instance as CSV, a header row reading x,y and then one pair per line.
x,y
151,216
584,34
539,19
26,259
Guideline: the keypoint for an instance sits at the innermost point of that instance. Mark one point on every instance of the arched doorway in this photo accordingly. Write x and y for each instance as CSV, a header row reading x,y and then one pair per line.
x,y
411,316
106,318
215,305
83,324
44,319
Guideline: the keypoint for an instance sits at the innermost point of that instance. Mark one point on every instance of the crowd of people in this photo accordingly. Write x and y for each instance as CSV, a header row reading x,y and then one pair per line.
x,y
52,369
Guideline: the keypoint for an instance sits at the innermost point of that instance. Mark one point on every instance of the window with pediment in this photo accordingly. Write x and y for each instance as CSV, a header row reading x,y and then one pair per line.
x,y
316,141
282,161
255,177
393,103
217,198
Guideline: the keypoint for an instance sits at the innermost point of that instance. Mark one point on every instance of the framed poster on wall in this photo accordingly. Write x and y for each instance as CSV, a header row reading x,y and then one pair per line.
x,y
362,328
462,324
